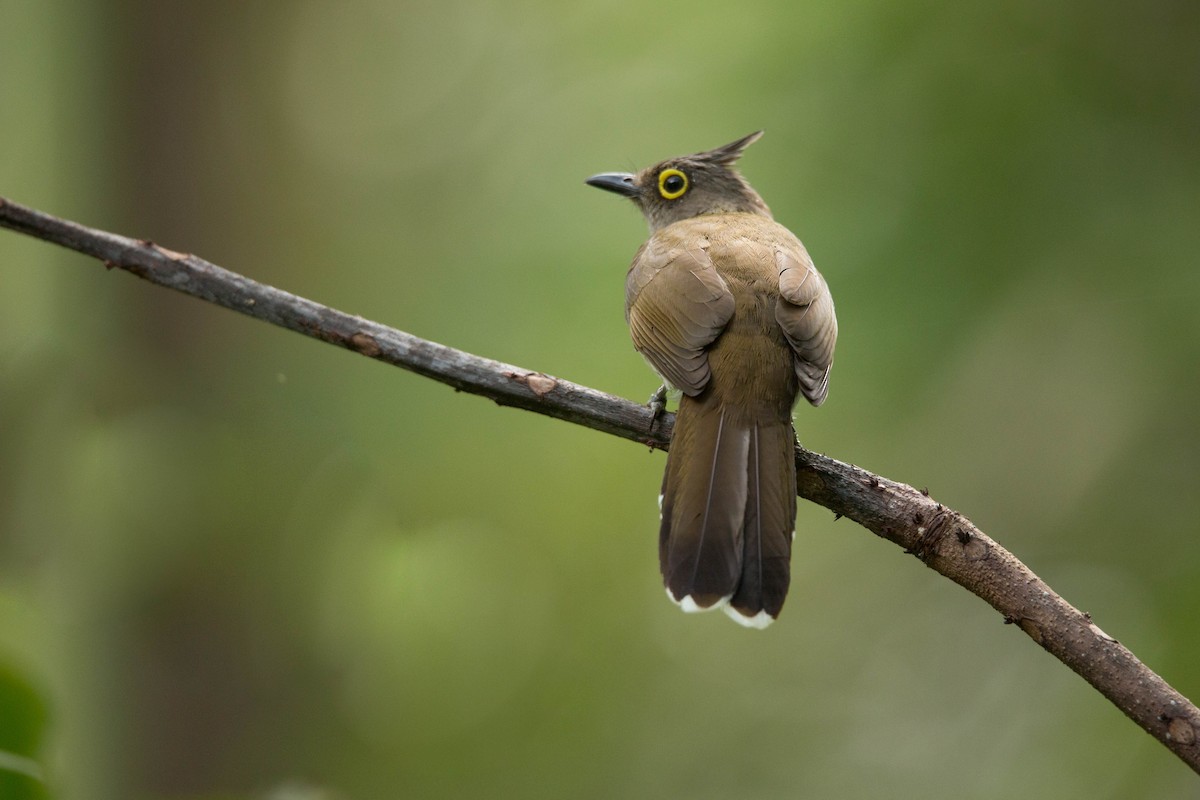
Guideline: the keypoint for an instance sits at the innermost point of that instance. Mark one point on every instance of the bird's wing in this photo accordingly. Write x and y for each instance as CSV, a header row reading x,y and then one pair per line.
x,y
806,315
676,305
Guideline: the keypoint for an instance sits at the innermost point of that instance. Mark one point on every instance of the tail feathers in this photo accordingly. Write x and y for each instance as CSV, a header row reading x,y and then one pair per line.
x,y
728,512
769,525
704,501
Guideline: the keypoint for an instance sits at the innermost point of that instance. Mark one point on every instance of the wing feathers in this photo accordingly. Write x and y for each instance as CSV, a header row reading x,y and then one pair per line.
x,y
805,313
677,305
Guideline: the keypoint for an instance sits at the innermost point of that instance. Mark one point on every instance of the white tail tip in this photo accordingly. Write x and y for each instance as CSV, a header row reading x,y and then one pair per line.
x,y
760,620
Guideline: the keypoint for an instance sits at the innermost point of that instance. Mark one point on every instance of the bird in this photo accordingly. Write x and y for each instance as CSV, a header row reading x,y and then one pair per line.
x,y
727,307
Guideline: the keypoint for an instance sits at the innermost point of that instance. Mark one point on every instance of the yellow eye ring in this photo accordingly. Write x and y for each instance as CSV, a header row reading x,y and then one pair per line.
x,y
672,184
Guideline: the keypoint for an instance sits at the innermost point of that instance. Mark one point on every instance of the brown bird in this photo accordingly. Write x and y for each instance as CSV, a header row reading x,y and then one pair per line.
x,y
727,307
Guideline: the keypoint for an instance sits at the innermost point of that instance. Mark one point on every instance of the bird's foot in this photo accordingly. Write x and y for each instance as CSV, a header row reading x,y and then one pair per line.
x,y
657,405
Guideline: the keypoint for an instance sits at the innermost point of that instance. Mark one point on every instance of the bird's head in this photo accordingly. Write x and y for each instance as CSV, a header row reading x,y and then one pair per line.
x,y
688,186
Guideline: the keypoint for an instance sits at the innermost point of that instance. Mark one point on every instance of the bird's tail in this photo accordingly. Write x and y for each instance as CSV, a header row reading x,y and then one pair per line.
x,y
728,511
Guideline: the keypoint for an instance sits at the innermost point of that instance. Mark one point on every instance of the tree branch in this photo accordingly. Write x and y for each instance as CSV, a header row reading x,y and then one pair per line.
x,y
940,537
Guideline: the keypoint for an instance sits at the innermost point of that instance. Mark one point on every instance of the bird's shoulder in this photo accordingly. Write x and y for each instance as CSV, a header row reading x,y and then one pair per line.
x,y
730,235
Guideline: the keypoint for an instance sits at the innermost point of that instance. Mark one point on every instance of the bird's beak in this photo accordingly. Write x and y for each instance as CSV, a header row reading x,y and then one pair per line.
x,y
619,182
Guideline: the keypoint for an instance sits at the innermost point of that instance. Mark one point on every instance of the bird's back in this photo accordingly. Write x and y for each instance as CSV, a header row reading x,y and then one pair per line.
x,y
751,354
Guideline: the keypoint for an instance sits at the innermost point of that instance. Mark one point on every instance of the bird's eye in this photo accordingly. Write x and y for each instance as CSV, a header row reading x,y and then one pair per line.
x,y
672,183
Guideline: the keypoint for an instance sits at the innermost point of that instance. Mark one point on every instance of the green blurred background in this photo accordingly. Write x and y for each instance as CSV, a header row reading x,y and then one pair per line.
x,y
235,562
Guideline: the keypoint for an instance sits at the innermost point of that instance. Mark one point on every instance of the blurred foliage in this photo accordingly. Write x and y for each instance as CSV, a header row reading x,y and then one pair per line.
x,y
236,563
22,720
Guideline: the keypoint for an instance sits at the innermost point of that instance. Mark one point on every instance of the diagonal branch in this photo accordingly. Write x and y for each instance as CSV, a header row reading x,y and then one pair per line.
x,y
940,537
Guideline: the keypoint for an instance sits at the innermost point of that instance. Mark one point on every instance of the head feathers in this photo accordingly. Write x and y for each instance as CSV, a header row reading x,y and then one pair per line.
x,y
727,154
